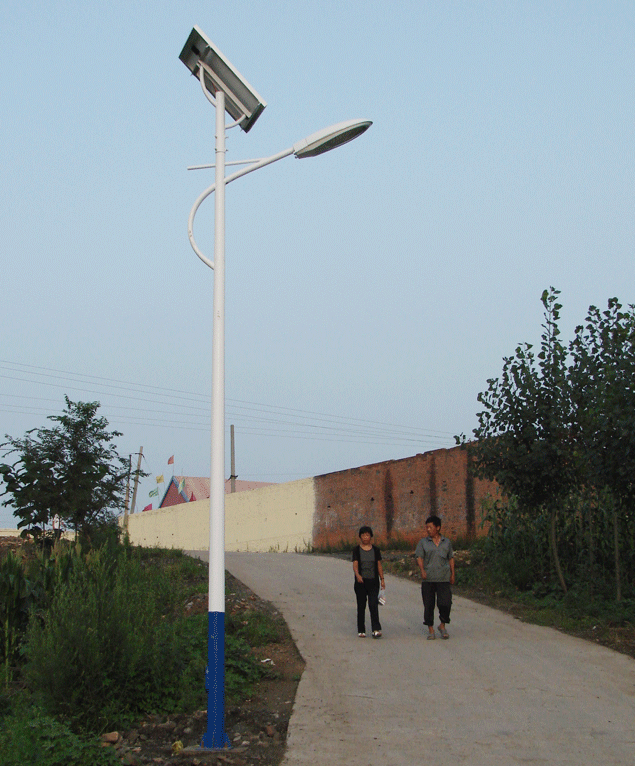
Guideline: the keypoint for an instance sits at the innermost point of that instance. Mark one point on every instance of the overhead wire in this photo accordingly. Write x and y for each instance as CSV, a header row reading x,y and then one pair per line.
x,y
192,410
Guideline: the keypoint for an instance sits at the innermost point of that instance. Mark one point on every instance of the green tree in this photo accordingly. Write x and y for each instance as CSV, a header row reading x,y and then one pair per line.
x,y
71,470
525,434
602,378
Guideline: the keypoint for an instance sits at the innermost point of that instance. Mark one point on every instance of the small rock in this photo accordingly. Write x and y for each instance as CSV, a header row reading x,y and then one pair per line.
x,y
111,738
270,730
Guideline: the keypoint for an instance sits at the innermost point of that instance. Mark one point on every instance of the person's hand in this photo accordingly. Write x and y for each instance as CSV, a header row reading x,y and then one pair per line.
x,y
424,575
452,579
359,578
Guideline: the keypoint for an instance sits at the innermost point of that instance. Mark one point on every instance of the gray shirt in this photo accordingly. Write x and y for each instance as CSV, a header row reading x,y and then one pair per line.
x,y
436,558
367,563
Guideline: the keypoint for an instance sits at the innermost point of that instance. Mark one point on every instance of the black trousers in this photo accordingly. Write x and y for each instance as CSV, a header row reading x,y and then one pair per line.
x,y
442,594
368,590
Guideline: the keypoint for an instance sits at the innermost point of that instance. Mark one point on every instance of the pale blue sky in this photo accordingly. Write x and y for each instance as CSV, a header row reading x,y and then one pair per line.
x,y
378,284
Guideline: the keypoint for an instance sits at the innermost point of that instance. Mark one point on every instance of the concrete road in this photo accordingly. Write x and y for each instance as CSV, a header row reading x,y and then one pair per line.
x,y
498,693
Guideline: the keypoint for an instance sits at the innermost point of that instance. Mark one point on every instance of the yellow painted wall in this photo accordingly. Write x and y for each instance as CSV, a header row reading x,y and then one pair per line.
x,y
278,517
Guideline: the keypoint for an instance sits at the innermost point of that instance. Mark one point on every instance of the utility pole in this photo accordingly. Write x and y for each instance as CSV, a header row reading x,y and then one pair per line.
x,y
136,481
232,478
125,513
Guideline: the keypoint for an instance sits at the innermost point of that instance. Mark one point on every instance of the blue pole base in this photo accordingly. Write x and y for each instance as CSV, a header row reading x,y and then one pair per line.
x,y
212,742
215,738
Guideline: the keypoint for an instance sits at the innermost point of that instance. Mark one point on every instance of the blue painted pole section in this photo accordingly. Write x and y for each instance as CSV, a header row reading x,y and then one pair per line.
x,y
215,737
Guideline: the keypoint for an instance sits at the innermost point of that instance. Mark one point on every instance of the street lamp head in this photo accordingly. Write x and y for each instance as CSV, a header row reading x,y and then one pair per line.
x,y
241,101
330,138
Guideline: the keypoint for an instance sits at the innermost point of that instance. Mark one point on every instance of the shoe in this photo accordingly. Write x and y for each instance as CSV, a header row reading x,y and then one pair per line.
x,y
430,637
444,633
361,635
377,634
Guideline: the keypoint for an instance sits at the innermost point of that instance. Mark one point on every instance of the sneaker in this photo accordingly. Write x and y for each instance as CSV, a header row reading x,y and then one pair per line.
x,y
361,635
377,634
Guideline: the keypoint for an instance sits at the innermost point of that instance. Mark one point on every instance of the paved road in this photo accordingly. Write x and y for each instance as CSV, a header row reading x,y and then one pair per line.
x,y
498,693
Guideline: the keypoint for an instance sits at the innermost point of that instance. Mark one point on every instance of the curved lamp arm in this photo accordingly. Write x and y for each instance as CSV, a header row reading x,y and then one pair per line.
x,y
210,190
317,143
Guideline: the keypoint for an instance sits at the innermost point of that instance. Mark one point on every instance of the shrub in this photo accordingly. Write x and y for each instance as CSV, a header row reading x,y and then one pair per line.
x,y
111,642
104,648
28,736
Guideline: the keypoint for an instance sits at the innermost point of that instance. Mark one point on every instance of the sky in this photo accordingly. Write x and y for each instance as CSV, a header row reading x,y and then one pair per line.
x,y
370,292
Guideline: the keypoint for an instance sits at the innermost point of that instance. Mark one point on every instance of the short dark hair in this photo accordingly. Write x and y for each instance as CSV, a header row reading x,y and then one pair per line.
x,y
434,520
365,529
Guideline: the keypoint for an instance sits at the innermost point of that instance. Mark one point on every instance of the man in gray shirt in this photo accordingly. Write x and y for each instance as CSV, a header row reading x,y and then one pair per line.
x,y
435,558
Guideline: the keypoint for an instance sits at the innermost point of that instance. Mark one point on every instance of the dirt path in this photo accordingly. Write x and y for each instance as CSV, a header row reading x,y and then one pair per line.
x,y
499,692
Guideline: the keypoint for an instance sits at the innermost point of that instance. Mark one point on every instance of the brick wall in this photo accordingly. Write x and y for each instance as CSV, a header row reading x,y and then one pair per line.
x,y
396,496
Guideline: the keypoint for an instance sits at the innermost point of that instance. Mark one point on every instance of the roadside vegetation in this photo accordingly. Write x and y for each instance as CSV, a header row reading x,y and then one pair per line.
x,y
557,433
91,640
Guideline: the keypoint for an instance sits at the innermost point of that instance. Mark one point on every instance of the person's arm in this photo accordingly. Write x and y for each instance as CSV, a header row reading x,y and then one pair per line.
x,y
380,569
358,577
421,569
452,571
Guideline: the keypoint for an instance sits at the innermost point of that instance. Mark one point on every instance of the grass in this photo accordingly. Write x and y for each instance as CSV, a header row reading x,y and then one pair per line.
x,y
113,642
29,736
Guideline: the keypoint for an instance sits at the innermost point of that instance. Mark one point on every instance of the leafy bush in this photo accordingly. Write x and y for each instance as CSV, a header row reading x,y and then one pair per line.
x,y
106,648
16,598
28,736
111,641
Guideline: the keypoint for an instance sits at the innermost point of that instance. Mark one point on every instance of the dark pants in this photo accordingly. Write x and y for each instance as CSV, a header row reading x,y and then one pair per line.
x,y
367,590
442,593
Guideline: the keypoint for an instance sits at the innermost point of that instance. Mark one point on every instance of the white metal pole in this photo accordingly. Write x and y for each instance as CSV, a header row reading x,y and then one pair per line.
x,y
215,736
217,488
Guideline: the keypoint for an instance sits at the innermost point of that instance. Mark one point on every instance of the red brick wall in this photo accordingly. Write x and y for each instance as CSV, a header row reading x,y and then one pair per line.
x,y
397,496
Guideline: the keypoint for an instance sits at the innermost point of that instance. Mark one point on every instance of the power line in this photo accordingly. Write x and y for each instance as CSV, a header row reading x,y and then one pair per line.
x,y
257,419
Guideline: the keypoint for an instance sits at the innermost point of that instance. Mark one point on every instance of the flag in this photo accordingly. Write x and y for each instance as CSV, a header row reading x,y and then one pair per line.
x,y
160,479
148,507
171,460
181,485
154,493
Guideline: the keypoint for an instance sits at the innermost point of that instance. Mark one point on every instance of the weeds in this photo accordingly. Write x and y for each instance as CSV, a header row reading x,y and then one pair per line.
x,y
256,628
98,638
29,736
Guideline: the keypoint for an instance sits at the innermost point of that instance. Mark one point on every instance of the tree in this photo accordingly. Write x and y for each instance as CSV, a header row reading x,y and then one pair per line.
x,y
524,436
71,470
602,375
